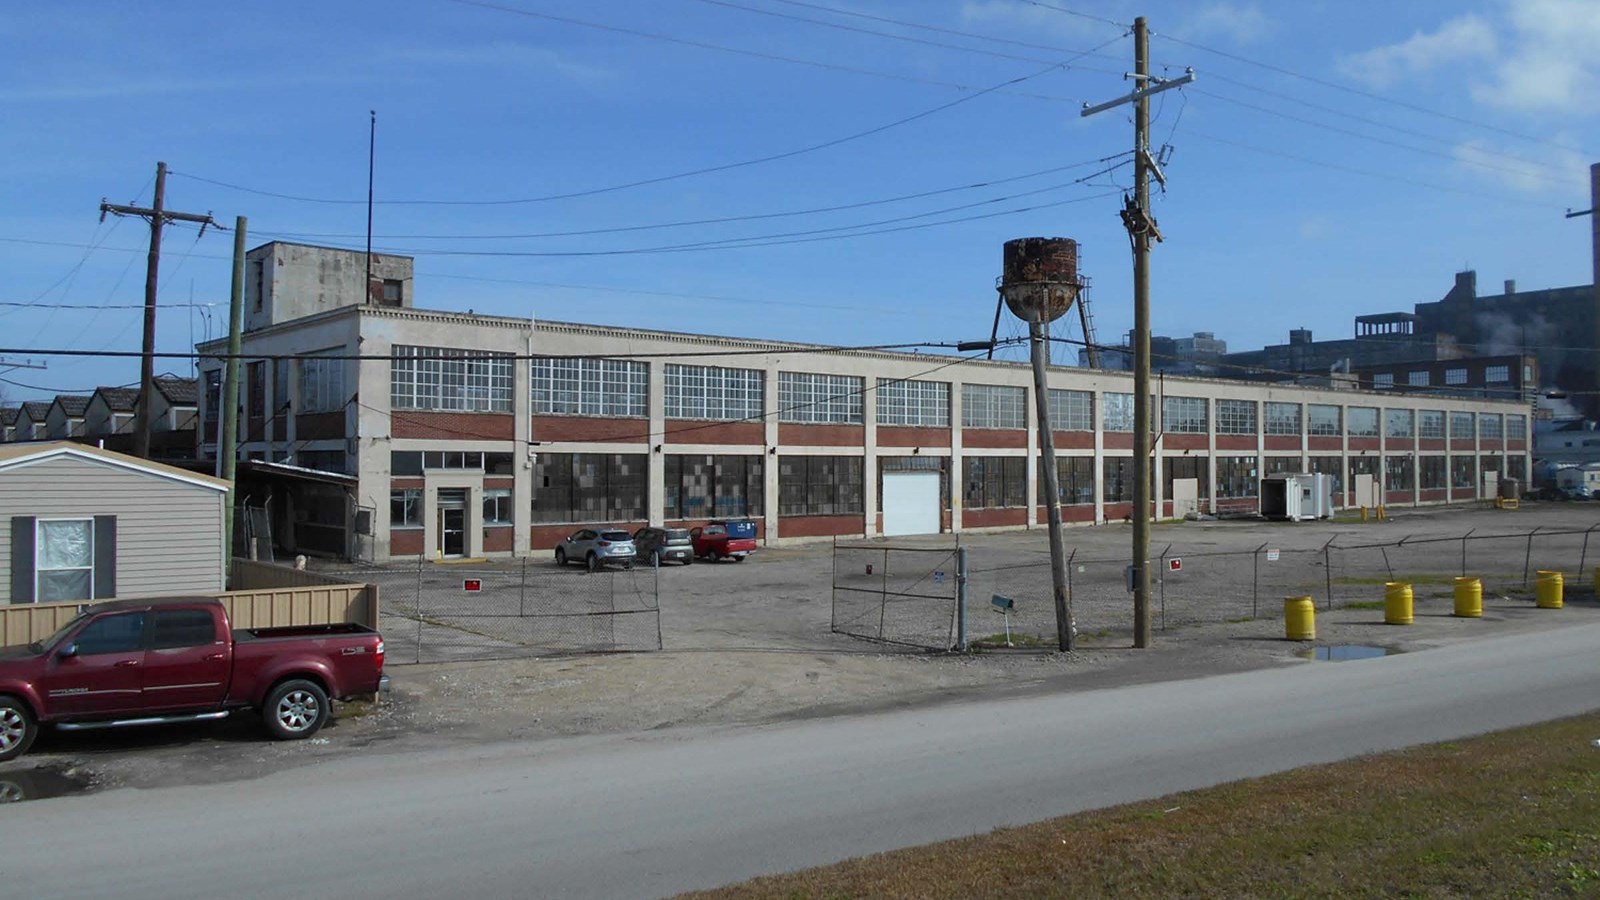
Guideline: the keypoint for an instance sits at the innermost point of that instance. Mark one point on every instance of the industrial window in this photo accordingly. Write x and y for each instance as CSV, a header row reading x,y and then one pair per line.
x,y
1116,412
1362,421
1430,423
1283,418
993,406
820,485
497,506
1399,423
1455,376
1074,479
1399,473
1331,466
712,392
828,399
1517,467
391,292
449,379
1462,472
1489,426
589,387
1516,427
1493,374
64,559
280,388
906,402
213,388
1236,417
1118,481
1184,415
1323,419
255,390
322,460
1237,477
1491,463
322,382
1362,465
1072,410
589,487
1176,467
1273,465
992,482
1382,380
1462,426
1433,473
714,487
405,508
1418,379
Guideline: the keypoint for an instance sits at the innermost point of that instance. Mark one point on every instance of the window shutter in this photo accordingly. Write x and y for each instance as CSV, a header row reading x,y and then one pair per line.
x,y
22,559
105,557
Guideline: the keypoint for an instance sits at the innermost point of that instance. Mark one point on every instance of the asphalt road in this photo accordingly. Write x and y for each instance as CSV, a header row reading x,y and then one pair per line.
x,y
653,814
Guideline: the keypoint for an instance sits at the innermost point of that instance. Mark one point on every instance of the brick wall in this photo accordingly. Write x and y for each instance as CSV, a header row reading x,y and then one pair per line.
x,y
452,425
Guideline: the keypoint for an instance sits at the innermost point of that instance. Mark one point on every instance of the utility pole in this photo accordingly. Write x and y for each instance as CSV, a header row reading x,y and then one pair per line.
x,y
158,216
1593,212
1141,228
228,445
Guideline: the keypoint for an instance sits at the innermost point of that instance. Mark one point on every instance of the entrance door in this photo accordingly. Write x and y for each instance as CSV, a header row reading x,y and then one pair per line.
x,y
1366,490
910,503
1185,497
452,528
1491,485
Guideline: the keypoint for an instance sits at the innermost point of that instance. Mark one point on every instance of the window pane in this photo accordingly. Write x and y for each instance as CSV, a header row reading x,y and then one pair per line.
x,y
66,545
113,634
63,584
182,628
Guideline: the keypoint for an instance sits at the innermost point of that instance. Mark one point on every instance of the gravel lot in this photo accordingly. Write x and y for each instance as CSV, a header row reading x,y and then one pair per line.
x,y
750,642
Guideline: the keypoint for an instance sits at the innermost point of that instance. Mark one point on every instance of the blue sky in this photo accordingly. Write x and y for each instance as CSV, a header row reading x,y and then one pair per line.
x,y
1462,135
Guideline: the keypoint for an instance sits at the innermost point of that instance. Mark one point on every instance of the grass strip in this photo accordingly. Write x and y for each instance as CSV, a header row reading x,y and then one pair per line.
x,y
1511,814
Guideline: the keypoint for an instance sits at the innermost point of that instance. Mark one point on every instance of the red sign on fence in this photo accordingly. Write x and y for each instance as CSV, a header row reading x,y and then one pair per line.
x,y
1175,564
472,585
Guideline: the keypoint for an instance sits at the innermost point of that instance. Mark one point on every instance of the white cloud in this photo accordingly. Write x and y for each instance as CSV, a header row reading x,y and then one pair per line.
x,y
1464,38
1543,171
1241,24
1552,65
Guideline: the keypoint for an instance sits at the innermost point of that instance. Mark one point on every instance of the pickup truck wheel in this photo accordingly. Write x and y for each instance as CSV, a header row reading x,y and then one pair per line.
x,y
295,709
713,556
17,728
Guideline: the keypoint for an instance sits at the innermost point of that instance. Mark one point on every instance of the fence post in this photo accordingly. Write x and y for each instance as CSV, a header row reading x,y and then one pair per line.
x,y
1386,566
961,599
1069,582
418,607
1255,580
1584,557
1528,557
1163,573
1464,552
883,594
1327,567
833,593
522,591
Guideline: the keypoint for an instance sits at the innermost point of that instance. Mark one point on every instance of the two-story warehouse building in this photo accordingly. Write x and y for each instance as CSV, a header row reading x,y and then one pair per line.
x,y
454,434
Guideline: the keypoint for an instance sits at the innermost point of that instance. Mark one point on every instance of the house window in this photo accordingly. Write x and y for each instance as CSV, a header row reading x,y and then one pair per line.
x,y
590,387
712,392
1418,379
1430,424
1362,421
405,508
497,506
451,380
63,561
1382,380
1324,420
902,401
1071,410
1492,374
992,482
1455,376
1116,412
322,382
1283,418
1236,417
1184,415
993,406
810,398
820,485
1462,426
1398,423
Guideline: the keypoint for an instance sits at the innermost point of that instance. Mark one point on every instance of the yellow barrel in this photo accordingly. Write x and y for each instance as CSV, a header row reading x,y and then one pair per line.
x,y
1299,619
1397,603
1547,589
1469,598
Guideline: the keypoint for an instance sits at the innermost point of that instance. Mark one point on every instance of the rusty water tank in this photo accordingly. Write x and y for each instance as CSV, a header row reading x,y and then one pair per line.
x,y
1040,274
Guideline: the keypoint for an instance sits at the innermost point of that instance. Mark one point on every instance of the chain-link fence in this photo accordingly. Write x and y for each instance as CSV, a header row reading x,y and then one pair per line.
x,y
897,595
434,613
1209,586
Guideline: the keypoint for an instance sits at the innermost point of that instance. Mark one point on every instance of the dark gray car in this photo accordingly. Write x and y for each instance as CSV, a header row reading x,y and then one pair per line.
x,y
659,545
596,547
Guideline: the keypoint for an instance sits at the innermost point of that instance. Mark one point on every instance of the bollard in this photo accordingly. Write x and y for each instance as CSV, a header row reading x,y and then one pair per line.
x,y
1299,619
1397,603
1547,589
1469,597
1363,513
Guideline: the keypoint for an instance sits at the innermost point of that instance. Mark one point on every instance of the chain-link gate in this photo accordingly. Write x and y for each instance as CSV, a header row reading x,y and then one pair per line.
x,y
896,595
438,613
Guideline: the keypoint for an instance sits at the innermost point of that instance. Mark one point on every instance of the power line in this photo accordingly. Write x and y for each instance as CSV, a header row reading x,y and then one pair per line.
x,y
1072,12
939,30
93,305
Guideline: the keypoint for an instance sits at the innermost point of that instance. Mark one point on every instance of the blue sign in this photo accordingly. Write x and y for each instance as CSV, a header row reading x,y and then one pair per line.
x,y
938,578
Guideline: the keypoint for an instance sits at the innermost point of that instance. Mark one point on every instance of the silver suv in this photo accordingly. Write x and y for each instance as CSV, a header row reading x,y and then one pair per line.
x,y
596,547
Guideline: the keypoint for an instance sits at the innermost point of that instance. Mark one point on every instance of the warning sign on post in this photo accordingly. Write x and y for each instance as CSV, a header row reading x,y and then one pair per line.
x,y
1272,555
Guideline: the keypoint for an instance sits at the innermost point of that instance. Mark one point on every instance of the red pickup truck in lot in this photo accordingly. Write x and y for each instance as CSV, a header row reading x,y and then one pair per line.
x,y
143,662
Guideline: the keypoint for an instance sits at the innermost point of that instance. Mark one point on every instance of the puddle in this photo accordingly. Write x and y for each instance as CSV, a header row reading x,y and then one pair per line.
x,y
40,784
1343,652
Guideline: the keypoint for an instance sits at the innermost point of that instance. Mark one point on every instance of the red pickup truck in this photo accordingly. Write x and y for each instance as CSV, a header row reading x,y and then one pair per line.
x,y
142,662
725,539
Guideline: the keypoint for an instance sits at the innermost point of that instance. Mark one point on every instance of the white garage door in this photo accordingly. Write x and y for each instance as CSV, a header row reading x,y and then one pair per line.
x,y
910,503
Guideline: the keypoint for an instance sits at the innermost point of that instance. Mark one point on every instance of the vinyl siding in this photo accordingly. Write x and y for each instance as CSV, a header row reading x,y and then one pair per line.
x,y
169,534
